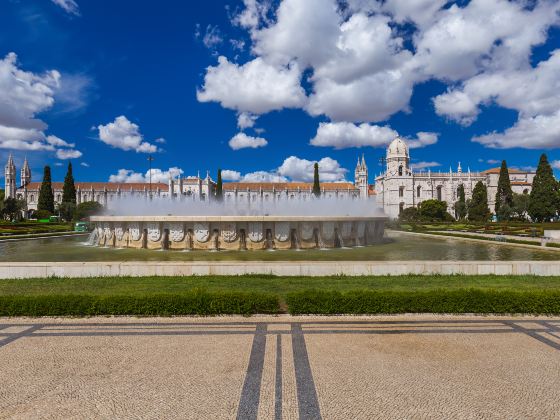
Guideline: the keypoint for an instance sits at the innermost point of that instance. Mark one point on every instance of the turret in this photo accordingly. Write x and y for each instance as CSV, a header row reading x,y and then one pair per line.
x,y
25,174
10,178
398,158
361,177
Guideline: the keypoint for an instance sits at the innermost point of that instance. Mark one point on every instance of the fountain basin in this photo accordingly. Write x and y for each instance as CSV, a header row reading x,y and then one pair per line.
x,y
237,232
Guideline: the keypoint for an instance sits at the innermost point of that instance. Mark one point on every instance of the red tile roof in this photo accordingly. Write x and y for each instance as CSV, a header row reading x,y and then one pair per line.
x,y
280,186
497,171
100,186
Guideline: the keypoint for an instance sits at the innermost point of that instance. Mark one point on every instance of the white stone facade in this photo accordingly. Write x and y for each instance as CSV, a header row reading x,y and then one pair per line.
x,y
400,187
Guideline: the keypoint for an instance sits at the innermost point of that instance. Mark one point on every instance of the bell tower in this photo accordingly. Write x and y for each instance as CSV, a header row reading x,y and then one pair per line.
x,y
10,178
25,174
361,177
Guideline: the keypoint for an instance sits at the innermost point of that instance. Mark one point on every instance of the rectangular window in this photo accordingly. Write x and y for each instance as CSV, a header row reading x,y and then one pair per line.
x,y
401,191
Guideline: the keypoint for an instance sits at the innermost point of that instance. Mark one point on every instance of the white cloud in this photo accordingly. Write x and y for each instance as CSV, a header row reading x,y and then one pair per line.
x,y
243,141
229,175
253,15
84,164
302,169
424,165
246,120
158,175
540,132
68,154
493,161
125,135
56,141
160,140
69,6
212,37
74,92
422,139
256,87
263,176
24,95
343,135
555,164
58,164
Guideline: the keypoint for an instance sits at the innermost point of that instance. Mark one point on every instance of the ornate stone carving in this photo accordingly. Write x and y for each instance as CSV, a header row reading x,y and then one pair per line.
x,y
176,232
108,231
201,231
134,231
119,231
281,231
154,231
327,230
306,231
229,232
255,231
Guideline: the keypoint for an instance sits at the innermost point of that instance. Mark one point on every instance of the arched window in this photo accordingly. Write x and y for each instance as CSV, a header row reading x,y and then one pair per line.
x,y
418,190
32,198
438,191
400,170
58,197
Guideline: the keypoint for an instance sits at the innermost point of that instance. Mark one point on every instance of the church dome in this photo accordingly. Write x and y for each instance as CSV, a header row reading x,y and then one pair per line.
x,y
397,148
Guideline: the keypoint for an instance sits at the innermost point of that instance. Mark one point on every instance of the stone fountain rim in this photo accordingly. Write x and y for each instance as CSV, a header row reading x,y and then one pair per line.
x,y
275,218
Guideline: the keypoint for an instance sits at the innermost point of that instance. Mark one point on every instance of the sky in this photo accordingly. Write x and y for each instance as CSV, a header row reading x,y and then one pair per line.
x,y
264,88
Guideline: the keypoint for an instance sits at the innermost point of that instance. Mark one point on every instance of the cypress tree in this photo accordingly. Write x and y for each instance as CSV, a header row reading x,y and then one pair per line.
x,y
46,195
543,200
478,207
460,204
316,184
69,189
504,194
219,187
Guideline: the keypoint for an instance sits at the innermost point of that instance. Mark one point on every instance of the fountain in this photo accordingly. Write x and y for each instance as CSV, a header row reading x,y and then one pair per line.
x,y
227,226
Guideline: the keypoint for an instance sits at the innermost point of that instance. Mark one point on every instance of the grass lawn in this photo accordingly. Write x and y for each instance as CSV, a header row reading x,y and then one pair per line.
x,y
31,227
212,295
267,284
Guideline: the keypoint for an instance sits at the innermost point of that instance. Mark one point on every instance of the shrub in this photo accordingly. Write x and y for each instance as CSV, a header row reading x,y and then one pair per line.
x,y
432,301
43,214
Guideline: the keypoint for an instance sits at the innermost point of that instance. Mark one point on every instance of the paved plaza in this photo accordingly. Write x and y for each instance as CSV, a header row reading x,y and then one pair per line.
x,y
420,366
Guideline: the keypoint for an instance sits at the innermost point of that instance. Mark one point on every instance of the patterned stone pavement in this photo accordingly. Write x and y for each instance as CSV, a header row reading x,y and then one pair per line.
x,y
421,366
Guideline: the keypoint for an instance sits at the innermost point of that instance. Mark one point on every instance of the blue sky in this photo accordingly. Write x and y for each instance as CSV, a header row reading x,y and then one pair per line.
x,y
264,88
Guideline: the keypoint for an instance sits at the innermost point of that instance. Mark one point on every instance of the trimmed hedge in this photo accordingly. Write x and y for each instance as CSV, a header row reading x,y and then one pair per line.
x,y
483,301
196,302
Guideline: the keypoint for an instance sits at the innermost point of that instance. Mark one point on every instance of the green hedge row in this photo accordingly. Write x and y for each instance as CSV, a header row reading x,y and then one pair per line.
x,y
432,301
196,302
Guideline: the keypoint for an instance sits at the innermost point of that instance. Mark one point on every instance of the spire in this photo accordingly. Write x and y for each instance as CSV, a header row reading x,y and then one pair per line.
x,y
459,169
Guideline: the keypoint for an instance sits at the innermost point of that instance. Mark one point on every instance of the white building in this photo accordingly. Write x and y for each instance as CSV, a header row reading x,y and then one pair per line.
x,y
399,187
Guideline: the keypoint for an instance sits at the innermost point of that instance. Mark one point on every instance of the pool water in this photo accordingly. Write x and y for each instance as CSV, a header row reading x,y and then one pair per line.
x,y
396,246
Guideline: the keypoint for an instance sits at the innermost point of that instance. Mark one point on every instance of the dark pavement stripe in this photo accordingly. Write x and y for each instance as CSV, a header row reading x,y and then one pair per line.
x,y
308,403
278,386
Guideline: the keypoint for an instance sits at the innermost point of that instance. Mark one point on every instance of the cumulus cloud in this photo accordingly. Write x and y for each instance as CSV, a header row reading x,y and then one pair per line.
x,y
302,170
361,59
424,165
24,95
243,141
263,176
256,87
68,154
246,120
343,135
229,175
158,175
555,164
84,164
125,135
69,6
539,132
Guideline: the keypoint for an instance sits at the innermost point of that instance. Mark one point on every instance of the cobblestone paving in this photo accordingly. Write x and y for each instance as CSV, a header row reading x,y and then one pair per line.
x,y
281,367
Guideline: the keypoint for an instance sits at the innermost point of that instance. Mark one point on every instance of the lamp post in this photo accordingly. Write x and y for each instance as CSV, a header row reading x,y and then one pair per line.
x,y
150,159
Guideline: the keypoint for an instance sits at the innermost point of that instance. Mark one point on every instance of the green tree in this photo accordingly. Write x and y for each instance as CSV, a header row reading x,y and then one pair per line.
x,y
316,184
520,206
46,195
2,195
460,205
478,210
543,201
219,187
12,209
86,209
504,195
66,210
69,189
410,214
433,210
